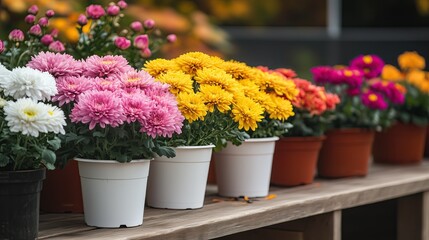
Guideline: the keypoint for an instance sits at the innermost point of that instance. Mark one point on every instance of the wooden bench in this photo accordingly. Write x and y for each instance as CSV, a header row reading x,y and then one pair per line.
x,y
306,212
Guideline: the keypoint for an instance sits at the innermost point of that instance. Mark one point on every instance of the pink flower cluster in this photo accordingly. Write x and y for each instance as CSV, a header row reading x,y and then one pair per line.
x,y
361,79
37,29
107,92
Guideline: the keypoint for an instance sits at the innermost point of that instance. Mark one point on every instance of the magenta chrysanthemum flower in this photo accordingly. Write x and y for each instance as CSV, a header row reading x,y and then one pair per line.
x,y
352,77
353,91
107,66
69,89
98,107
135,106
390,90
110,84
325,74
140,79
371,65
57,64
373,100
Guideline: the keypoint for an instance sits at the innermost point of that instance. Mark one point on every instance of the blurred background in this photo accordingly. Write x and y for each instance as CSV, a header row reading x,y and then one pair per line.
x,y
294,34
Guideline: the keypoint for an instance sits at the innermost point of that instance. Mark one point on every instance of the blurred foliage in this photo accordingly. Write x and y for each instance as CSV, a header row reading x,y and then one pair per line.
x,y
194,29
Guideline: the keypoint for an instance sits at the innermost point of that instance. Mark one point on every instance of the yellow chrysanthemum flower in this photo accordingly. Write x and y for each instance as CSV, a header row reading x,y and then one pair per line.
x,y
191,62
216,77
247,113
215,96
159,66
270,82
179,82
283,108
237,70
411,60
391,73
191,106
420,79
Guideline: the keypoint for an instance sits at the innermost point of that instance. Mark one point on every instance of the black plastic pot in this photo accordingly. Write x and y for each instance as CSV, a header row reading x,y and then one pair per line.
x,y
19,203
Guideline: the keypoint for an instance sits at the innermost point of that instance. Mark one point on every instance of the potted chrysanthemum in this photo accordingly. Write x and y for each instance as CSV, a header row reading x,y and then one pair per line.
x,y
297,151
29,130
367,104
404,142
117,117
253,157
216,111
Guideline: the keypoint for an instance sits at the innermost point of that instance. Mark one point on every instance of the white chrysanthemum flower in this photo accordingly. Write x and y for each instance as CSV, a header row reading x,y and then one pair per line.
x,y
3,73
26,116
55,120
27,82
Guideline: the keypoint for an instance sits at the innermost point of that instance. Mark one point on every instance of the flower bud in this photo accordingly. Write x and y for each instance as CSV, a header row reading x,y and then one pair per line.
x,y
57,46
35,30
47,39
149,23
95,11
122,43
171,38
2,48
44,21
82,20
122,4
54,33
146,53
50,13
33,10
136,26
16,35
141,41
30,18
113,10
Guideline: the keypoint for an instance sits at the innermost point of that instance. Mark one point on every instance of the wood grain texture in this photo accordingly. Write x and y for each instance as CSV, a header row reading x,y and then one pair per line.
x,y
217,219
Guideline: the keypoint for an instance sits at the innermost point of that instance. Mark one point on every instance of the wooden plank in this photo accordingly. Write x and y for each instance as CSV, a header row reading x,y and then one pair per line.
x,y
409,217
223,218
266,233
325,226
425,215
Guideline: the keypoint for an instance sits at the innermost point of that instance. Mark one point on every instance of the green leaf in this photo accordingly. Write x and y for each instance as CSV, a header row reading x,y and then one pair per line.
x,y
4,160
49,156
55,143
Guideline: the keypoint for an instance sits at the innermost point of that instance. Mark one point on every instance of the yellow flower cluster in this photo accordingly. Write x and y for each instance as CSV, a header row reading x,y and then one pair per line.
x,y
411,66
204,83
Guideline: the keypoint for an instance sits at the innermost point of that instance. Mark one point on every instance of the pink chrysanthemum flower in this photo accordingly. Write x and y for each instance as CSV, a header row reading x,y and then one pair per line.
x,y
390,90
98,107
109,84
69,88
162,121
135,106
325,74
373,100
137,79
57,64
371,65
105,67
352,77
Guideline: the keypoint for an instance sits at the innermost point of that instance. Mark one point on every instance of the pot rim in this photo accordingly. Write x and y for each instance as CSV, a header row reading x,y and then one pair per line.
x,y
303,139
110,161
267,139
196,147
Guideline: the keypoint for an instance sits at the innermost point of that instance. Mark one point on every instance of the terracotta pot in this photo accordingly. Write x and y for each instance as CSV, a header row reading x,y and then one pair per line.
x,y
426,154
62,192
294,161
400,144
345,153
